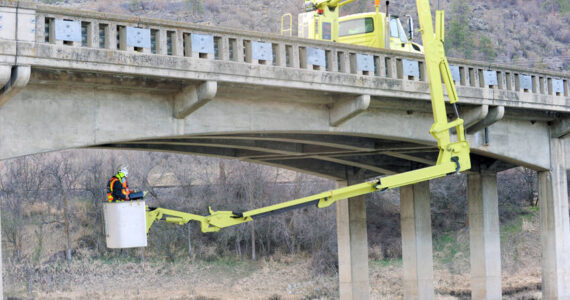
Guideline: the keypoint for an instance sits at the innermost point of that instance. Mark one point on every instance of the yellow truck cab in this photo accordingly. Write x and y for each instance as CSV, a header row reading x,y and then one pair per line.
x,y
321,21
368,29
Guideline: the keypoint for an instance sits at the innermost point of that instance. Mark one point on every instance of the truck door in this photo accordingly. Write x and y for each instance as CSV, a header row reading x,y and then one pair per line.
x,y
399,39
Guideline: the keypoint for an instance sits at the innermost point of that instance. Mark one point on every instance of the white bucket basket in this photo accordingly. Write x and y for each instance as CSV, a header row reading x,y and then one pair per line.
x,y
125,224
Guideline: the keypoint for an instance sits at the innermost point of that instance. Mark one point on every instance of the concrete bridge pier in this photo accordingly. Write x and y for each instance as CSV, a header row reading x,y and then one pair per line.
x,y
554,225
417,254
352,240
484,236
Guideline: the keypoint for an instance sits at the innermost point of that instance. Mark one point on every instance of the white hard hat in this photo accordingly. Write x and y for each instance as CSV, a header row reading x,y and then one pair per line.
x,y
124,169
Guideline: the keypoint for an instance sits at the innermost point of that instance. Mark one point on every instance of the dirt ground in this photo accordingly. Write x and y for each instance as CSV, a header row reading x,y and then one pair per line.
x,y
280,277
277,277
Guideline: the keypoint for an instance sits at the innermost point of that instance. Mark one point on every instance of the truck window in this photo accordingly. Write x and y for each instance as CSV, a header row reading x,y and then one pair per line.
x,y
356,26
397,31
394,32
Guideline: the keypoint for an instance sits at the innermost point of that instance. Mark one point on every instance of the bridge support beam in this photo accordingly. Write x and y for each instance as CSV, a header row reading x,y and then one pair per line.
x,y
193,97
345,110
560,128
484,236
495,115
352,248
554,225
12,80
415,214
475,115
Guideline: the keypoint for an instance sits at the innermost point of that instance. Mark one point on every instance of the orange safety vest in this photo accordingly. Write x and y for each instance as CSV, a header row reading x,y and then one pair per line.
x,y
125,189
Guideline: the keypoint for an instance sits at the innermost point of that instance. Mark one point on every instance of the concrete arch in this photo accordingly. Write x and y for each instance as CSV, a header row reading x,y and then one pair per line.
x,y
269,122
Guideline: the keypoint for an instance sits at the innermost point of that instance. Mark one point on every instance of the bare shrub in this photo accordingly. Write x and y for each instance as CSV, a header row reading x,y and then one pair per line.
x,y
449,203
376,253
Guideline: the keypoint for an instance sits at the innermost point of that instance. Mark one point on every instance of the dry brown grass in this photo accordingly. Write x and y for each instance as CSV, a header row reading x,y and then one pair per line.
x,y
282,277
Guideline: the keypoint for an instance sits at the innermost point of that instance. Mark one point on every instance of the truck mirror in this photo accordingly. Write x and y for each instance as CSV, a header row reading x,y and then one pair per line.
x,y
410,28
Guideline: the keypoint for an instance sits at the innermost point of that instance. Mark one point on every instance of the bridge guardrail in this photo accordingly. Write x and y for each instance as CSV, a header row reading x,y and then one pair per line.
x,y
75,28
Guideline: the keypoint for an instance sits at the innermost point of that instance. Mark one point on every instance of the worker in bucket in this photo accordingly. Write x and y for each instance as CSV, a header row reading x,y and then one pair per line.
x,y
118,188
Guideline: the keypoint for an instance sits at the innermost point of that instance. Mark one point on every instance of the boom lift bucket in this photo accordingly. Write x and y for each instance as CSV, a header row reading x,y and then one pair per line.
x,y
125,224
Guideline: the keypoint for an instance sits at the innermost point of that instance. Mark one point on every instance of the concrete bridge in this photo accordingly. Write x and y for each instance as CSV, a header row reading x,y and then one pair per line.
x,y
74,79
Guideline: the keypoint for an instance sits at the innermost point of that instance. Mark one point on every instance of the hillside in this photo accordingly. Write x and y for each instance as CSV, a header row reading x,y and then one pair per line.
x,y
532,33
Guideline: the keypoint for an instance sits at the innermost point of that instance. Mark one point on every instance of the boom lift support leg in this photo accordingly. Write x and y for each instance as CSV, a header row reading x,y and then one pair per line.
x,y
453,156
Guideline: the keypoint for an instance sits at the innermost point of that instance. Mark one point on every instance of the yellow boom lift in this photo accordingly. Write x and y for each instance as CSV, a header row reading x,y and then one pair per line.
x,y
453,155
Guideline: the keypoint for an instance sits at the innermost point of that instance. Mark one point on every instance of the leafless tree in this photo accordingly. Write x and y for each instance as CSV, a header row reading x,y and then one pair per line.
x,y
64,175
97,170
21,184
528,182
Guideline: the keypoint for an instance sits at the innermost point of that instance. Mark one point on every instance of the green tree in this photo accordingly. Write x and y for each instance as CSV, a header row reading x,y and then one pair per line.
x,y
196,6
563,6
486,47
135,5
458,37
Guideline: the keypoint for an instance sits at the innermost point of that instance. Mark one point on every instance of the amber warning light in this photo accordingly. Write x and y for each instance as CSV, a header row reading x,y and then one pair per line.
x,y
377,2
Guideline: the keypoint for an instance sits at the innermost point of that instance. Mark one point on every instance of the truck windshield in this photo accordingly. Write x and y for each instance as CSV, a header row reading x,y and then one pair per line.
x,y
356,26
396,30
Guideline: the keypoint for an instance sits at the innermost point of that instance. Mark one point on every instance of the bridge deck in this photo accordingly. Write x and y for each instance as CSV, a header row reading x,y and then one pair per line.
x,y
103,49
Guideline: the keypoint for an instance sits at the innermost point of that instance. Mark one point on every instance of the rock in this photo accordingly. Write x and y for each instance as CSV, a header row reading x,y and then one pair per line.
x,y
478,24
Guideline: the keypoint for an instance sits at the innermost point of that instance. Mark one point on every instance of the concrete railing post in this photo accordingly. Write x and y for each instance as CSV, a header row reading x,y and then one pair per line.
x,y
111,37
177,43
352,248
280,55
224,48
484,236
417,251
554,225
93,34
40,28
162,42
239,51
380,65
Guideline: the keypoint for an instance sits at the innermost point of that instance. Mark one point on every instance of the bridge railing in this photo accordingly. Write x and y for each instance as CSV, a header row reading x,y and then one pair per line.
x,y
75,28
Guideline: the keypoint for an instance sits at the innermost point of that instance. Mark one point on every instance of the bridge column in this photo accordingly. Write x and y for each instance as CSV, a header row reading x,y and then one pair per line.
x,y
352,248
554,225
415,214
484,236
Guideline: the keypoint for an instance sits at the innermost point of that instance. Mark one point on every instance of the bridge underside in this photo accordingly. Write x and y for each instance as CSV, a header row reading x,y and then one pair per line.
x,y
271,125
326,155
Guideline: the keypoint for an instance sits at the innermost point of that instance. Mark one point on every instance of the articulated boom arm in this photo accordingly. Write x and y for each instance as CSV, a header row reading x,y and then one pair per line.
x,y
453,156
